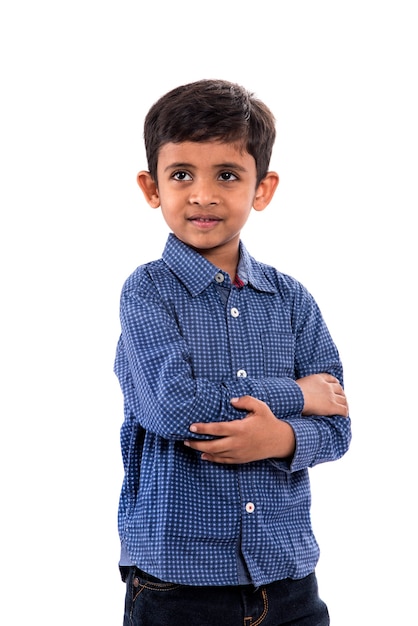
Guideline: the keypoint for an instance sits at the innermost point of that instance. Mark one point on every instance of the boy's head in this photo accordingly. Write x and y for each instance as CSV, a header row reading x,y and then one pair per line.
x,y
211,110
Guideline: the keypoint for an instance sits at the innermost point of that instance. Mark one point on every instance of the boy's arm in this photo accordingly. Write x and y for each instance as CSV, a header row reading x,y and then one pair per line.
x,y
154,367
260,435
313,435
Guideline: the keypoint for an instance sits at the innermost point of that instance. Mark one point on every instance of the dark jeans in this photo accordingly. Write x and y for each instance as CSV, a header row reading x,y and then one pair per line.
x,y
151,602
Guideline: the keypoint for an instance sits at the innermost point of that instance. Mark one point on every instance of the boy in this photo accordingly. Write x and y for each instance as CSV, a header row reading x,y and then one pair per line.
x,y
232,386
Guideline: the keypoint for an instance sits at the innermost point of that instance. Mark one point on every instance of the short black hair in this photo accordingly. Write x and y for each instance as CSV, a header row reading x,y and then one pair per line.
x,y
211,110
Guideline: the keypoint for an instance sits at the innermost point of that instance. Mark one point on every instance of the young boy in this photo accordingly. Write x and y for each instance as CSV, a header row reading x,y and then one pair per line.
x,y
232,386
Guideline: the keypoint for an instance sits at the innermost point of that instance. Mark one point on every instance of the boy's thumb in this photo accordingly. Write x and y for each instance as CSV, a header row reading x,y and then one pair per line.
x,y
240,402
245,403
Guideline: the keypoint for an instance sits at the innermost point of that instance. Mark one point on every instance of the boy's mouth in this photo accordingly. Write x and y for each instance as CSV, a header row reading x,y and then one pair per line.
x,y
204,218
204,222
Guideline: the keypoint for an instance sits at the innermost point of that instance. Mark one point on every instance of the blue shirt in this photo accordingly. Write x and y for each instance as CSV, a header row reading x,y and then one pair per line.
x,y
191,340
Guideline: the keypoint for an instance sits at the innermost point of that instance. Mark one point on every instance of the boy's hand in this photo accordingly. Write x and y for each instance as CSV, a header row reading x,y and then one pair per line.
x,y
259,435
323,395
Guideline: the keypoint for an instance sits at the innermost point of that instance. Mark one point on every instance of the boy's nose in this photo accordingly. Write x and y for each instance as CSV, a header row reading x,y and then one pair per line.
x,y
204,194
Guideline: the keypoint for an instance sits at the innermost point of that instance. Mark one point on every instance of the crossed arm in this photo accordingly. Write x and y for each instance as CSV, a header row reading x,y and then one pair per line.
x,y
260,435
266,420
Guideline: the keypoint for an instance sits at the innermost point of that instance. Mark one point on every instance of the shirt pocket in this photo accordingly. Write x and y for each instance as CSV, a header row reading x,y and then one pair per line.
x,y
278,353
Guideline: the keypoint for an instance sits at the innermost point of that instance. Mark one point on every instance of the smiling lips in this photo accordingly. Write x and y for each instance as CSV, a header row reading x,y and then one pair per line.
x,y
204,221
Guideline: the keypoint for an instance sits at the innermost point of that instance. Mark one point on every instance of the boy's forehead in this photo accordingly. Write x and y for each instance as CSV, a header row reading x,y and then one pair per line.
x,y
203,152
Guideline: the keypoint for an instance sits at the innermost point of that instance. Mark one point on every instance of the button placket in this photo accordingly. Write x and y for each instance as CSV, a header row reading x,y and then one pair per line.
x,y
234,312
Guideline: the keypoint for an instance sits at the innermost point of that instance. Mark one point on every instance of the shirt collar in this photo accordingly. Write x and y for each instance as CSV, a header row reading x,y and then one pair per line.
x,y
197,273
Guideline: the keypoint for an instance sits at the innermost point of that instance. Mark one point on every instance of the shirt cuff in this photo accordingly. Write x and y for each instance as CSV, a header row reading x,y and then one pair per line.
x,y
308,443
282,395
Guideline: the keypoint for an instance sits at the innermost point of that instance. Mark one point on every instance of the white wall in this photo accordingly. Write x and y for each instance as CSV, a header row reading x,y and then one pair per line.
x,y
77,79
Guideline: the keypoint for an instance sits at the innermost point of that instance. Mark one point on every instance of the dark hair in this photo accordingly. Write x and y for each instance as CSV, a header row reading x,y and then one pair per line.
x,y
211,110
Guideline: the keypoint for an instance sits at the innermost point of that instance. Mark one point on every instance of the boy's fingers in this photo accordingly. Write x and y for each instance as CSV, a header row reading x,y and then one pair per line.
x,y
246,403
213,428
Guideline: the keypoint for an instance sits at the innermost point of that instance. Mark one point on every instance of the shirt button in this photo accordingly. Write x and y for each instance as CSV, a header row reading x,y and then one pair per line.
x,y
219,278
242,374
249,507
234,312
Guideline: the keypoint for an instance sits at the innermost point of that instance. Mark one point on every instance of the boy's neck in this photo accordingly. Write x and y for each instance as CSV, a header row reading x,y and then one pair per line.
x,y
227,263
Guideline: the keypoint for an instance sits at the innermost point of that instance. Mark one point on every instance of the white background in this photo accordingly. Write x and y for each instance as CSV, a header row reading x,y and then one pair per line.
x,y
77,79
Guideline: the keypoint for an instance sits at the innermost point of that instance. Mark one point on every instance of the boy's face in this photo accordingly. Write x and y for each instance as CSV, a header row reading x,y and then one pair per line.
x,y
206,192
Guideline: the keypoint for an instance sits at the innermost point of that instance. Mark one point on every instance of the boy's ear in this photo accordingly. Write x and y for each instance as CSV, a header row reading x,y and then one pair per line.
x,y
149,189
265,191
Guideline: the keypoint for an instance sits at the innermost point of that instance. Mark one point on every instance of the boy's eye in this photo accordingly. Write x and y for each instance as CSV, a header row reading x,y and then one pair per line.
x,y
181,176
227,176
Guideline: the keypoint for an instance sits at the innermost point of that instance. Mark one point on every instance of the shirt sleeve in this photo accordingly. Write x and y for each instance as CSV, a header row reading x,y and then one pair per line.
x,y
318,438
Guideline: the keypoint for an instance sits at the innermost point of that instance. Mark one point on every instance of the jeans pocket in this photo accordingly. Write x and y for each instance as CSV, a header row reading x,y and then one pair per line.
x,y
144,600
139,581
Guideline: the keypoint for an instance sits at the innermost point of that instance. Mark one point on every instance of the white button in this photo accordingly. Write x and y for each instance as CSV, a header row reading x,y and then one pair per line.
x,y
234,312
249,507
242,374
219,278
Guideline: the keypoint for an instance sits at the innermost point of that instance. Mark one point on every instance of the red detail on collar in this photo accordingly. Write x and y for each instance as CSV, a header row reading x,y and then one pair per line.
x,y
238,282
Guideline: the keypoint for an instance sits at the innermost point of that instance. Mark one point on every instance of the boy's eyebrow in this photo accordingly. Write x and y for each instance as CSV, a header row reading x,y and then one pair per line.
x,y
177,165
232,166
228,165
